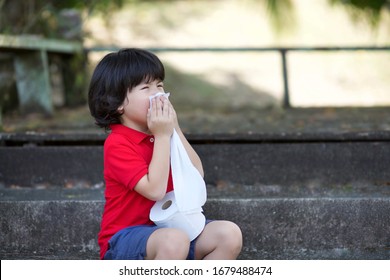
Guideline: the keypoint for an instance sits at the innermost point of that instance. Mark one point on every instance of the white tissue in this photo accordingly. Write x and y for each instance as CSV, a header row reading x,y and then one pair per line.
x,y
165,213
182,207
157,94
190,188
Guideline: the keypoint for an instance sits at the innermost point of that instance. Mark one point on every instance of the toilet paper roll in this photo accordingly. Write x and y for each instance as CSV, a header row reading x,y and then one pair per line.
x,y
165,213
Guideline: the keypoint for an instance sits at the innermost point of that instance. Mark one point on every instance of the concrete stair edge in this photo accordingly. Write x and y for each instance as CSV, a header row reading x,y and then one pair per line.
x,y
273,228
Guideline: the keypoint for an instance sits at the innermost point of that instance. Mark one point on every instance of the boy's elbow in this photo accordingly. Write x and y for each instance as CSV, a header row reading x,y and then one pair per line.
x,y
157,195
152,193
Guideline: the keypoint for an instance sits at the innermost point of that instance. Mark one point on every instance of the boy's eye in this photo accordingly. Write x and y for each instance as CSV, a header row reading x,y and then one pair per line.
x,y
145,87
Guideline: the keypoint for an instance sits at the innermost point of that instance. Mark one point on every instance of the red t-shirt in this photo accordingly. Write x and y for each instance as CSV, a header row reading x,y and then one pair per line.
x,y
127,155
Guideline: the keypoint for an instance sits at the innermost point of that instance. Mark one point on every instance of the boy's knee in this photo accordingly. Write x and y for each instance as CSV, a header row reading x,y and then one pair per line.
x,y
231,235
172,244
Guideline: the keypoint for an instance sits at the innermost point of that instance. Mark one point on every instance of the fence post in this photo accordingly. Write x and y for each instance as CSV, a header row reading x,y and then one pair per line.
x,y
286,96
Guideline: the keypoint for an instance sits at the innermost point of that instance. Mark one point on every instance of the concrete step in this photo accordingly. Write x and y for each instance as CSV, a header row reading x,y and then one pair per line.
x,y
295,196
290,160
63,224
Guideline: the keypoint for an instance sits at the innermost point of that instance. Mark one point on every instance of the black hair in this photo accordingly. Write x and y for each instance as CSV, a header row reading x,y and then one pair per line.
x,y
114,75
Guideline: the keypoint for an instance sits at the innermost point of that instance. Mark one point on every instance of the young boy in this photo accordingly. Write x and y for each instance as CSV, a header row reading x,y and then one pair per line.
x,y
137,164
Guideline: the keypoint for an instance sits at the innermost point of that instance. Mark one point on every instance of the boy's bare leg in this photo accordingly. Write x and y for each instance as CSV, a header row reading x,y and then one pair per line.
x,y
167,244
220,240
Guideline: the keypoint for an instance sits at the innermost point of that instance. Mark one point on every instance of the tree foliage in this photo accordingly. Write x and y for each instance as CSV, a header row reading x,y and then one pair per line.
x,y
366,10
46,17
281,14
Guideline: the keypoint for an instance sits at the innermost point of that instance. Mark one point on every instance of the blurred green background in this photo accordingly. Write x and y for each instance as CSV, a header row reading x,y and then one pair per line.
x,y
209,88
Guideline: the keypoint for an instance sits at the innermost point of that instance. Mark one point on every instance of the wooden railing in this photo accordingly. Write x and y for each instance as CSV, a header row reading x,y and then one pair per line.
x,y
283,51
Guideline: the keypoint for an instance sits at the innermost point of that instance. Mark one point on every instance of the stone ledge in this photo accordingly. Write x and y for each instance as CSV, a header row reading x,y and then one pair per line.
x,y
277,228
97,138
286,164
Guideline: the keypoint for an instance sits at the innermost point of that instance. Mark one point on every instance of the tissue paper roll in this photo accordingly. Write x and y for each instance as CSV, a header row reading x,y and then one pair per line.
x,y
165,213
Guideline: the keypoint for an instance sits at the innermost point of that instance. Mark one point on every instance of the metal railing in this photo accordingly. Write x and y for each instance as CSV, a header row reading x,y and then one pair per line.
x,y
281,50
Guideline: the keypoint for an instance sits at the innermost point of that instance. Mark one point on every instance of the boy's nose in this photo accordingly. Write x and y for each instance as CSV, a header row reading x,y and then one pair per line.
x,y
166,95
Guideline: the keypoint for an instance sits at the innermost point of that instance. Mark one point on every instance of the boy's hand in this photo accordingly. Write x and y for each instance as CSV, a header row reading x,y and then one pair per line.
x,y
161,117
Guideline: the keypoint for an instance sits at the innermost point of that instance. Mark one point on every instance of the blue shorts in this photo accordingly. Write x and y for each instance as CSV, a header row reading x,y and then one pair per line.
x,y
130,243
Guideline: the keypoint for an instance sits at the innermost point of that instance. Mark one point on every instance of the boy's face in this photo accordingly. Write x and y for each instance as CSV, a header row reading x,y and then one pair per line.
x,y
136,104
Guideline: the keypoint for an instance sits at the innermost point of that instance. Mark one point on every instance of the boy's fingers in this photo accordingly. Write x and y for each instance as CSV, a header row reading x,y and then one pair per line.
x,y
160,107
156,104
165,106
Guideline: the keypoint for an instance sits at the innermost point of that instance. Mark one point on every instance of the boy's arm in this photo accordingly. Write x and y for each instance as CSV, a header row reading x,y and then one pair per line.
x,y
154,184
160,122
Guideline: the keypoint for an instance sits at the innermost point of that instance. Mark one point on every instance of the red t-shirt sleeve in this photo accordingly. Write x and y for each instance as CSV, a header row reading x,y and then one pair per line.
x,y
124,164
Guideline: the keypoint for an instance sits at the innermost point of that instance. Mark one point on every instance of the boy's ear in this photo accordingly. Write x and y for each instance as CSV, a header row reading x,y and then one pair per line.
x,y
121,109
